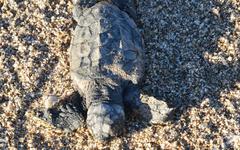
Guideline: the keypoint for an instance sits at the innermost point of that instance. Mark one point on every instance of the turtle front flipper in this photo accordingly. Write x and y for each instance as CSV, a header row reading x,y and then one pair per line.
x,y
154,111
148,109
67,115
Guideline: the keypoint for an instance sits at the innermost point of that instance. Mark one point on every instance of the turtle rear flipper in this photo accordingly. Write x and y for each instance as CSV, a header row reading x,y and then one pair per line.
x,y
68,115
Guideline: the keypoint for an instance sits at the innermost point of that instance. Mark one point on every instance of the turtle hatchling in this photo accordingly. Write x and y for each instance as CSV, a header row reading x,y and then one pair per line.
x,y
107,64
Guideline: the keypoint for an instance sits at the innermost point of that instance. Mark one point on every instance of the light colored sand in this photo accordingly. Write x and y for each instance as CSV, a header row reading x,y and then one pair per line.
x,y
192,49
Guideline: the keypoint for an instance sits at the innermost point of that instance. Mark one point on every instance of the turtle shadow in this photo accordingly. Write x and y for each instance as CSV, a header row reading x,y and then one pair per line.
x,y
180,68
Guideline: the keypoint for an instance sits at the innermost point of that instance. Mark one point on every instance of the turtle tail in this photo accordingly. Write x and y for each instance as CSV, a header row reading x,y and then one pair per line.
x,y
85,3
128,6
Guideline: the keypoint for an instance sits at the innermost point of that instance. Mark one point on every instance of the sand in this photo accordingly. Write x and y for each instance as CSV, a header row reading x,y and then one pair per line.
x,y
192,63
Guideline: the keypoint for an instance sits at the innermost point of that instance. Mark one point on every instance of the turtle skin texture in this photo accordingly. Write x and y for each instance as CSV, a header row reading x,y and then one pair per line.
x,y
106,61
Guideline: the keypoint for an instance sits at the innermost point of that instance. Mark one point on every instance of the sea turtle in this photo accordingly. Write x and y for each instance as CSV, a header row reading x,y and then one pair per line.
x,y
107,64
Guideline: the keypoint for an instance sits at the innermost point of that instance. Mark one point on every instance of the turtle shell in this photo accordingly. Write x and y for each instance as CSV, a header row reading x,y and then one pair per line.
x,y
106,43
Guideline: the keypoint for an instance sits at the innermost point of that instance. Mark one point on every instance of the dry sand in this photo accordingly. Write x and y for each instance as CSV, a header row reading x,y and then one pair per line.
x,y
192,51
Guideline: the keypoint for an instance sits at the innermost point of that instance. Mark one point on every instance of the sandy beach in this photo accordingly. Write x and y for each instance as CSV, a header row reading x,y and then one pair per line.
x,y
192,63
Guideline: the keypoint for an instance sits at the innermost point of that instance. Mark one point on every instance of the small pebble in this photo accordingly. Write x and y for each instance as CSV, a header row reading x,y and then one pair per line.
x,y
50,101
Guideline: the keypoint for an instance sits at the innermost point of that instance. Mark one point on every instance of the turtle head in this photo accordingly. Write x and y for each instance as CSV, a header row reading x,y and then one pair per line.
x,y
105,120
